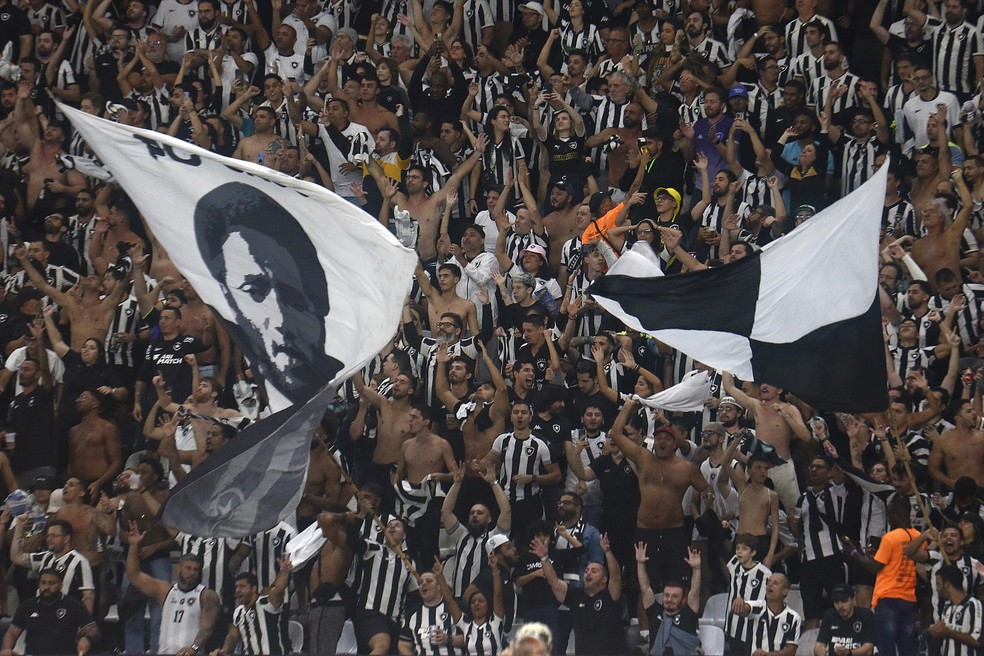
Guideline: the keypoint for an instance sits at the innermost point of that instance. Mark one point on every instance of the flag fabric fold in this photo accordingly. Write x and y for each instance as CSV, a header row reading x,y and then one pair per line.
x,y
309,287
688,395
801,314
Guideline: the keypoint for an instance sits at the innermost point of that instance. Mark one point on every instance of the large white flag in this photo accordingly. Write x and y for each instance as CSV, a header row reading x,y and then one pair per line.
x,y
308,286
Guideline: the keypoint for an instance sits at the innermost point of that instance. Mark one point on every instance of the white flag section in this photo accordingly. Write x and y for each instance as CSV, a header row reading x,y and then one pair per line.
x,y
801,314
688,395
308,286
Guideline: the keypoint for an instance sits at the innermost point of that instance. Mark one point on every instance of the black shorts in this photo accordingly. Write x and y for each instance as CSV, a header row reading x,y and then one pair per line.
x,y
667,551
816,577
370,623
858,575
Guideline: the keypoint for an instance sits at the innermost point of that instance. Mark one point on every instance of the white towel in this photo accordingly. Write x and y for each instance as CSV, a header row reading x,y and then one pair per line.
x,y
688,396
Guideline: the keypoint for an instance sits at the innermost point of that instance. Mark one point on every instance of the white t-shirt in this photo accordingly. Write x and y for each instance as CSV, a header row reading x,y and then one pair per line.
x,y
15,359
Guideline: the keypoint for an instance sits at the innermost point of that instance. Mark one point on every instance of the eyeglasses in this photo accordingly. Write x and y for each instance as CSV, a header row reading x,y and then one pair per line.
x,y
445,324
708,433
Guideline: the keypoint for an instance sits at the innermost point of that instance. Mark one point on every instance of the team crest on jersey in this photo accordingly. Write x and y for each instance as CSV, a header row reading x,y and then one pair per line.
x,y
857,627
572,145
529,450
556,428
293,64
276,542
192,12
469,13
598,604
785,626
755,583
4,16
444,617
191,601
177,347
251,614
129,312
676,619
61,613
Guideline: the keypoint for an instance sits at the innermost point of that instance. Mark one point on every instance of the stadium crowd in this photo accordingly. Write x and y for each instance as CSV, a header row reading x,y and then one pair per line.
x,y
491,481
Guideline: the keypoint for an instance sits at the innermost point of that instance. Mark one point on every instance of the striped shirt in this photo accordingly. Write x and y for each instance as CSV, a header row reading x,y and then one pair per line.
x,y
588,39
857,162
713,51
762,104
517,243
900,219
79,236
520,456
159,100
693,111
749,585
820,89
470,557
607,114
754,191
967,321
59,277
498,158
48,16
126,320
383,579
200,39
267,548
263,628
713,218
821,513
895,99
964,617
421,625
427,361
478,14
971,578
773,631
796,33
74,567
808,67
486,639
953,62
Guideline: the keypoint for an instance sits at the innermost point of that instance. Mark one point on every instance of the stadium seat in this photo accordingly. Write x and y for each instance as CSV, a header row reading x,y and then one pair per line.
x,y
715,610
711,640
807,640
347,644
296,632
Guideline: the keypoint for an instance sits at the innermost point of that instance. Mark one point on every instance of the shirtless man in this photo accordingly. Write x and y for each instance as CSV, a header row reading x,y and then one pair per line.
x,y
940,248
423,208
960,450
327,614
88,524
88,311
776,422
487,419
42,169
444,299
264,141
424,453
198,320
757,504
119,213
370,113
561,223
664,478
391,428
324,486
94,455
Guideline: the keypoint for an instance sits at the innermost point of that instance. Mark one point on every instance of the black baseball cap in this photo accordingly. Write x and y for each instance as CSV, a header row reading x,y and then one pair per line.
x,y
842,592
597,198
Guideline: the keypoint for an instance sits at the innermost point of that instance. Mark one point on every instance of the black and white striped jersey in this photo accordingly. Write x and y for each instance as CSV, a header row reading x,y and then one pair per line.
x,y
606,114
262,628
529,455
762,105
773,631
795,33
127,320
47,16
74,567
953,61
420,625
821,512
713,51
693,111
383,579
59,277
470,556
485,639
967,564
588,39
79,236
477,14
964,617
820,89
749,585
265,549
427,361
900,219
857,162
754,191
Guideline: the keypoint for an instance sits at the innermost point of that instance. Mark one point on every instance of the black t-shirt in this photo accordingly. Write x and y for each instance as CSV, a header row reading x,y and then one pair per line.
x,y
851,633
555,431
167,356
597,622
687,620
540,360
567,157
32,417
13,25
619,485
51,628
579,401
78,378
537,592
921,54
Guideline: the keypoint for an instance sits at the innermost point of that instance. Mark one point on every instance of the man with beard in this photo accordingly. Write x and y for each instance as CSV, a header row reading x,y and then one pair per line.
x,y
664,169
776,423
793,103
51,55
207,37
259,620
846,626
950,550
958,50
55,624
673,624
190,610
505,559
708,133
715,207
470,542
608,124
699,41
146,84
664,478
959,452
835,90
